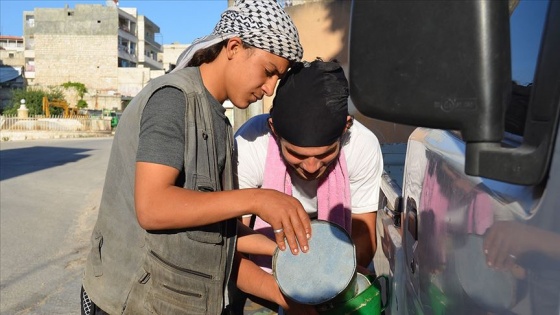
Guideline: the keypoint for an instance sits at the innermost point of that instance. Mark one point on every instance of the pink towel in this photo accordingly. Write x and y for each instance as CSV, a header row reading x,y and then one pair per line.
x,y
481,214
333,192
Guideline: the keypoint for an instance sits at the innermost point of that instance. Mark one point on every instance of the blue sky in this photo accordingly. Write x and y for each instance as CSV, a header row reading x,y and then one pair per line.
x,y
184,21
526,28
179,21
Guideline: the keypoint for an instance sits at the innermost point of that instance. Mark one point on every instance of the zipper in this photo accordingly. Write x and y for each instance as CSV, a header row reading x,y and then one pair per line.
x,y
182,292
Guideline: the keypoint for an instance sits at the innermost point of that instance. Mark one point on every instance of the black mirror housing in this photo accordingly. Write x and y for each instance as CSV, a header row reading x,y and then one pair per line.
x,y
413,62
447,65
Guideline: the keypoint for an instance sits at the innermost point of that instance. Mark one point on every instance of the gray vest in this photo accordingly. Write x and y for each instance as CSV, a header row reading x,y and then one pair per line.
x,y
132,271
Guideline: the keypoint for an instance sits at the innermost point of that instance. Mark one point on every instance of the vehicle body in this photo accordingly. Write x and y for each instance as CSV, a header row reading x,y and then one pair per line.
x,y
115,117
462,190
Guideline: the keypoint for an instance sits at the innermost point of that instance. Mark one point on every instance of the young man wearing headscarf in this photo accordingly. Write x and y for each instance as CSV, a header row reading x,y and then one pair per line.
x,y
164,240
310,147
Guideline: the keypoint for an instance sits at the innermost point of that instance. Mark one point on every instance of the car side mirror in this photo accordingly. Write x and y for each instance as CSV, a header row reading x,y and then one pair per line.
x,y
447,65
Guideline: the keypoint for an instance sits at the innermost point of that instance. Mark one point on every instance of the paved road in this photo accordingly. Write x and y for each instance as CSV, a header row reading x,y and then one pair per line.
x,y
49,194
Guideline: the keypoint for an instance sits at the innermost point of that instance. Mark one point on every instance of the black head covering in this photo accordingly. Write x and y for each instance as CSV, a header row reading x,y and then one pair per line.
x,y
311,104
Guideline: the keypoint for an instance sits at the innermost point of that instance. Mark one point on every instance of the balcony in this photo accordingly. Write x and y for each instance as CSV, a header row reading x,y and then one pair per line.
x,y
127,29
153,43
152,64
127,54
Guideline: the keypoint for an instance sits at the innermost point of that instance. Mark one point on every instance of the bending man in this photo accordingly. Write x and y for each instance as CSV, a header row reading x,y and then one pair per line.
x,y
309,147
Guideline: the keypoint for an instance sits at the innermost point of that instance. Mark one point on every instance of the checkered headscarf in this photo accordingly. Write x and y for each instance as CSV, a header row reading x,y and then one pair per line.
x,y
259,23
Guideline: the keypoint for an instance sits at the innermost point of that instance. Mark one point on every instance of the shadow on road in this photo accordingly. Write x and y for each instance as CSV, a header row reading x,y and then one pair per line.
x,y
16,162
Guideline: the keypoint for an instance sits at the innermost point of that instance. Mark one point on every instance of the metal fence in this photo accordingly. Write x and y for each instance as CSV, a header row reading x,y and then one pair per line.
x,y
55,123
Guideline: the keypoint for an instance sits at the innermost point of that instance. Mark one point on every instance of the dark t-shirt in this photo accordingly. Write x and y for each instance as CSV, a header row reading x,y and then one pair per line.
x,y
162,130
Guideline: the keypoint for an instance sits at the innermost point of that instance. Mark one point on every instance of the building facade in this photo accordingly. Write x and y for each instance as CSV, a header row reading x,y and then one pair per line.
x,y
111,50
11,68
11,51
170,54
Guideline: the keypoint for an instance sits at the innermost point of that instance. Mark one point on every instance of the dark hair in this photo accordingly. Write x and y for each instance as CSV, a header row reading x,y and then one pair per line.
x,y
209,54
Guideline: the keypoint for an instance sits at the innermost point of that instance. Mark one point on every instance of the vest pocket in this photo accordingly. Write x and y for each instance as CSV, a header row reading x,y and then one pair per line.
x,y
175,290
211,233
95,254
203,183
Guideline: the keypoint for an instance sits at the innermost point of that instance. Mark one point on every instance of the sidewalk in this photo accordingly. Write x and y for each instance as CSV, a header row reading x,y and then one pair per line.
x,y
6,135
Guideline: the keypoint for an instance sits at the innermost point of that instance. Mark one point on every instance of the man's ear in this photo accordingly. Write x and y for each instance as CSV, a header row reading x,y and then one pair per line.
x,y
271,126
349,122
234,46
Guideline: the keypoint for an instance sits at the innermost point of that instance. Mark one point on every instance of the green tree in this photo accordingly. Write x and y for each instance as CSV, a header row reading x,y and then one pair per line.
x,y
81,89
34,100
82,104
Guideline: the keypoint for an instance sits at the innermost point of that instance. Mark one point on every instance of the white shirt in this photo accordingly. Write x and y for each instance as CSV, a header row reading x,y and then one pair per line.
x,y
363,159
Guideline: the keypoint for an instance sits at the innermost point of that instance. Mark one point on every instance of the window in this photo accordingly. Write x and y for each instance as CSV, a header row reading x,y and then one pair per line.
x,y
30,20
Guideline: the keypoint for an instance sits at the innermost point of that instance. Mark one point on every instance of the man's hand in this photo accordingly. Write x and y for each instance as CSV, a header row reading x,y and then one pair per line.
x,y
286,216
504,242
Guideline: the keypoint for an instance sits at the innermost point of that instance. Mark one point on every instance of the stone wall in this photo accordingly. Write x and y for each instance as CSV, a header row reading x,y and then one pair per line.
x,y
91,60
